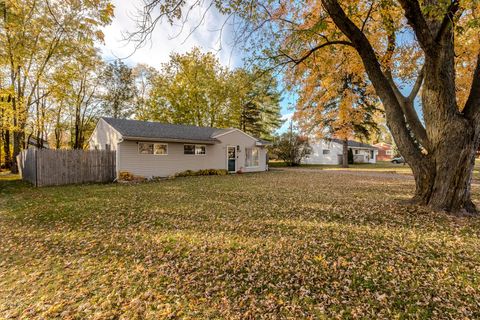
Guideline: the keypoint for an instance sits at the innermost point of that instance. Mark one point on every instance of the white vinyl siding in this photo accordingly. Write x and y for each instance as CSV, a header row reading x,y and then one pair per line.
x,y
176,161
104,136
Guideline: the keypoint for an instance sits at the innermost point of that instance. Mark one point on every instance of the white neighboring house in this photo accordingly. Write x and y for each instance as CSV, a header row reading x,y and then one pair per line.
x,y
153,149
330,152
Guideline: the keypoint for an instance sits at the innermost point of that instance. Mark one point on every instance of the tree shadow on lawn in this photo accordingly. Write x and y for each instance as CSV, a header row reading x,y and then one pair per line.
x,y
214,203
331,266
277,244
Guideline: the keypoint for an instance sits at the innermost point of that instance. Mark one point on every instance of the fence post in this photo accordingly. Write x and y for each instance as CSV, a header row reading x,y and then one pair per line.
x,y
36,166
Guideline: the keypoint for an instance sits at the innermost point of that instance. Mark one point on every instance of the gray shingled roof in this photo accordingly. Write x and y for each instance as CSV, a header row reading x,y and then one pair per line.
x,y
355,144
130,129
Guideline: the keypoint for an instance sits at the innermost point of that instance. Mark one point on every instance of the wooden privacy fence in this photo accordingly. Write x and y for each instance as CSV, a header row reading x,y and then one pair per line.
x,y
45,167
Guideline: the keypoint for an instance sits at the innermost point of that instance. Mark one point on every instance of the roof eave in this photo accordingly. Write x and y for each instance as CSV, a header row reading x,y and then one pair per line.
x,y
260,144
130,138
357,147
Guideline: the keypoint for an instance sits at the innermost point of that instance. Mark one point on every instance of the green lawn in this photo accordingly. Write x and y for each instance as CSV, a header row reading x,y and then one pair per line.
x,y
380,166
319,244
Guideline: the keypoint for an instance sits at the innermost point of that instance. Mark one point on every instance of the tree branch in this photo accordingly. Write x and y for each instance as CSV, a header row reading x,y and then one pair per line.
x,y
318,47
408,107
396,91
393,108
417,21
472,106
367,17
447,20
416,86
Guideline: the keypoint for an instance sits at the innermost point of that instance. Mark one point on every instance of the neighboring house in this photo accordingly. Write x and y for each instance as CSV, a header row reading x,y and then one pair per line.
x,y
153,149
330,152
385,151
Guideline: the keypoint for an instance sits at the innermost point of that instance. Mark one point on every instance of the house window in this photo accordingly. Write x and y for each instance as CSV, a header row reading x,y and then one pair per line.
x,y
356,151
251,157
153,148
194,149
388,152
107,146
188,149
326,151
200,149
145,148
160,148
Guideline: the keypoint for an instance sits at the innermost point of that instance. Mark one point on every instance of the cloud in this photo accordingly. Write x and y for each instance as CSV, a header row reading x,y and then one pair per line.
x,y
166,38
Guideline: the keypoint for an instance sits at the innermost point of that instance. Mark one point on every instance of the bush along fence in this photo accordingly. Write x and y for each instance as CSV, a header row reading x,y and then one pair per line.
x,y
45,167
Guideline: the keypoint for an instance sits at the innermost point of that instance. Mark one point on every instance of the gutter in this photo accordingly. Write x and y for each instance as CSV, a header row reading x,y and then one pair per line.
x,y
261,144
170,140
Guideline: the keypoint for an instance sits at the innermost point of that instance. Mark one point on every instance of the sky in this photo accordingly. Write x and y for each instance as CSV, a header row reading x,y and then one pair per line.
x,y
167,39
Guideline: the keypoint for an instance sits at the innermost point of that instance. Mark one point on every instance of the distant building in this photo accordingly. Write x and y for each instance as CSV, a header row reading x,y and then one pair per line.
x,y
331,152
385,151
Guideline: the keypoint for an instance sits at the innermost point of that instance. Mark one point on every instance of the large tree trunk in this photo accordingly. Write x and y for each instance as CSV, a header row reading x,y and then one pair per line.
x,y
445,182
6,149
441,150
17,147
345,153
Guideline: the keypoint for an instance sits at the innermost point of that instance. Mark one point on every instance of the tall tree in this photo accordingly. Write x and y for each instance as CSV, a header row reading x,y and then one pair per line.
x,y
442,58
6,122
258,100
38,36
194,88
119,85
342,106
143,78
191,89
84,102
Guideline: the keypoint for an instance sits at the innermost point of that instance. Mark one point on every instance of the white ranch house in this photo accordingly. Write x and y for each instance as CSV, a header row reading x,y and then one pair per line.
x,y
153,149
330,152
